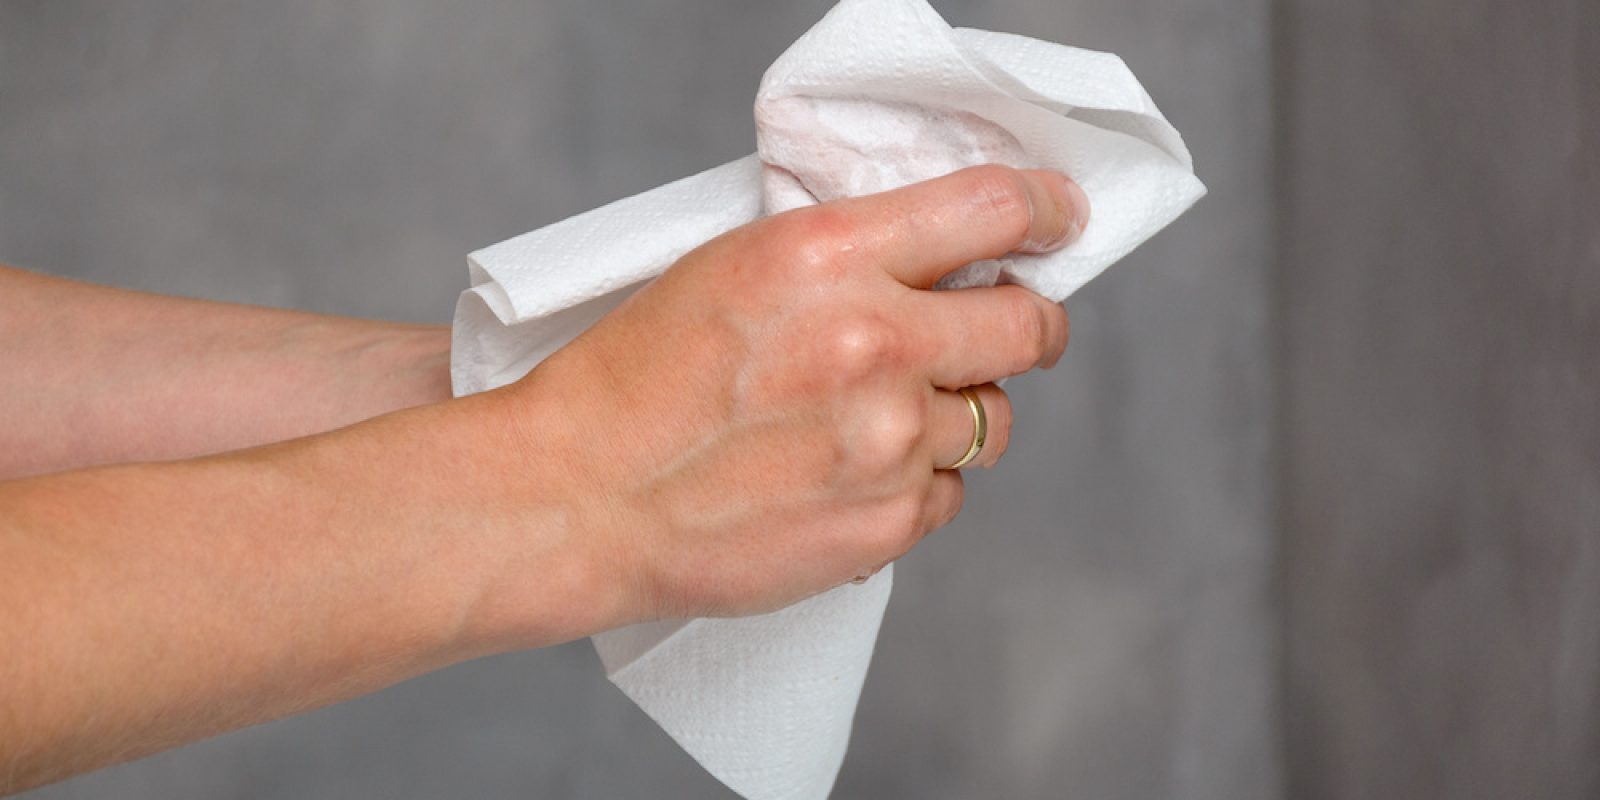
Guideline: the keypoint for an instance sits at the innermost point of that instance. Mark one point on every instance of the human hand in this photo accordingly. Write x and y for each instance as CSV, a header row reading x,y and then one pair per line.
x,y
768,419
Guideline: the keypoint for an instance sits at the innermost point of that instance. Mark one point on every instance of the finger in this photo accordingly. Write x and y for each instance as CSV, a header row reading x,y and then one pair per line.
x,y
945,497
946,493
919,233
982,334
951,427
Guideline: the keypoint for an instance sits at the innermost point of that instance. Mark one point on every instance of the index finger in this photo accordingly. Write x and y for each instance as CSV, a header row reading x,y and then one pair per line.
x,y
921,232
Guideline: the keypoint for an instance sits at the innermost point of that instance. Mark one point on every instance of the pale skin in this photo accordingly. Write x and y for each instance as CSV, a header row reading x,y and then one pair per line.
x,y
765,421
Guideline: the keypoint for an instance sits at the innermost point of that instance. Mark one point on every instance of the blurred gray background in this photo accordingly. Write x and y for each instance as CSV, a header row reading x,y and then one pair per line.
x,y
1311,509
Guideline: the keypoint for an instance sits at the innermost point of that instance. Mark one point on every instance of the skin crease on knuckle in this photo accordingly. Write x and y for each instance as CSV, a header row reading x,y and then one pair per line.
x,y
1029,332
1000,192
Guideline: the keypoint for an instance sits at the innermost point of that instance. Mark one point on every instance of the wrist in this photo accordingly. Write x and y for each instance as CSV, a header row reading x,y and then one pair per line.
x,y
563,571
413,361
493,537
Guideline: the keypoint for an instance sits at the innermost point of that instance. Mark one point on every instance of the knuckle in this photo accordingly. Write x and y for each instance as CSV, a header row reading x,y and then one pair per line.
x,y
817,241
1054,318
958,498
888,439
860,345
901,523
1000,192
1027,330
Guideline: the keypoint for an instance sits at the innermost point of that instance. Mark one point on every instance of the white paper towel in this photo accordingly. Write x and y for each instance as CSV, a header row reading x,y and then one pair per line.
x,y
878,94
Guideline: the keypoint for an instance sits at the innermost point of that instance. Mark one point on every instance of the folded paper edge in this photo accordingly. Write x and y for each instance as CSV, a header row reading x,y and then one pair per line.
x,y
734,187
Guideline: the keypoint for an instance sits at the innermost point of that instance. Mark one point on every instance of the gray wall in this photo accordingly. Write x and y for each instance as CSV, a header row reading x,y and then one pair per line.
x,y
1440,320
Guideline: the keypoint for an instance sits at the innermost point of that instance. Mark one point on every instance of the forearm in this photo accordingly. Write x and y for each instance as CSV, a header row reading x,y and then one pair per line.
x,y
97,375
143,606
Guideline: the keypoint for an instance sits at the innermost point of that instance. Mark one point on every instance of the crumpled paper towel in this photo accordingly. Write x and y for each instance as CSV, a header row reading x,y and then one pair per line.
x,y
878,94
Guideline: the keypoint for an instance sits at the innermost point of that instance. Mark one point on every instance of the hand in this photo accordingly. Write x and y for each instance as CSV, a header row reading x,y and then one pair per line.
x,y
767,419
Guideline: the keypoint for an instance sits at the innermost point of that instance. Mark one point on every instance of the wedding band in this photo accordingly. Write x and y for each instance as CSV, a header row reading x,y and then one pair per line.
x,y
980,427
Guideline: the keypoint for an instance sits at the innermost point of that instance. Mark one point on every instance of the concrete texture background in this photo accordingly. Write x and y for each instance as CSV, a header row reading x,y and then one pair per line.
x,y
1310,508
1440,322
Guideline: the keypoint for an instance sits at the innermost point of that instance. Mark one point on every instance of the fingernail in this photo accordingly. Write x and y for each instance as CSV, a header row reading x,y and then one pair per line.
x,y
1070,207
1078,211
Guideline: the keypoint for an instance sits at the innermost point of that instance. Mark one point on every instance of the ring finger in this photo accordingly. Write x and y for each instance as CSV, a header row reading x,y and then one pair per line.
x,y
953,426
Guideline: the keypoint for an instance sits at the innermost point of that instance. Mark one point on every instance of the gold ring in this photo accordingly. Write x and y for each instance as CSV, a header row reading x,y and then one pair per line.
x,y
980,427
